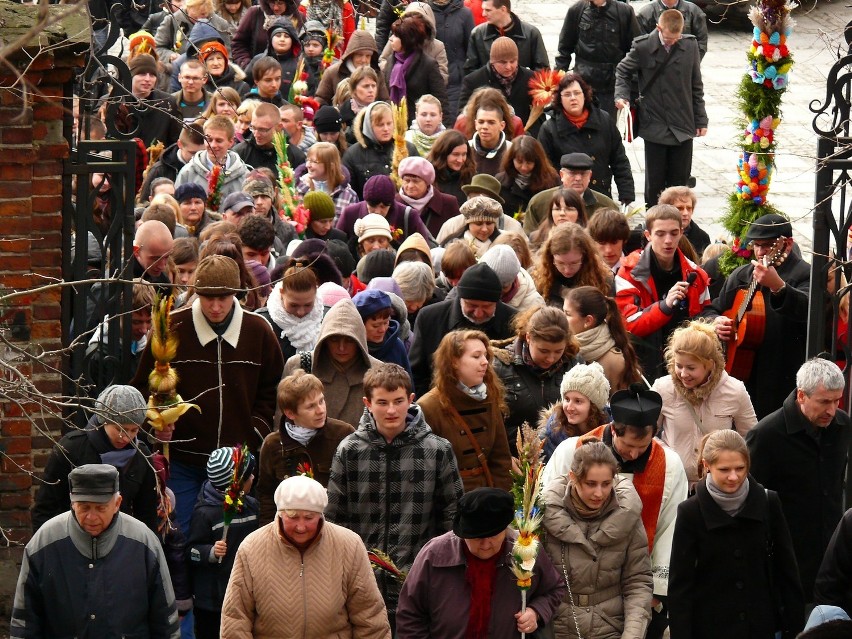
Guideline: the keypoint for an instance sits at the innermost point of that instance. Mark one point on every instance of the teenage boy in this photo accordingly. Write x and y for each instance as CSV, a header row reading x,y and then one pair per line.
x,y
219,133
489,142
266,75
306,439
656,290
610,231
393,463
258,151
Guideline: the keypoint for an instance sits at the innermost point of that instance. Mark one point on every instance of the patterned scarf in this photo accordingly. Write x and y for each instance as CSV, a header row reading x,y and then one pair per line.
x,y
300,433
328,12
506,82
479,393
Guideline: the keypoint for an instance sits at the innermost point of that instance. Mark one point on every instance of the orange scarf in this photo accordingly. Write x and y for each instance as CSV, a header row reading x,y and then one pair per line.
x,y
650,484
580,120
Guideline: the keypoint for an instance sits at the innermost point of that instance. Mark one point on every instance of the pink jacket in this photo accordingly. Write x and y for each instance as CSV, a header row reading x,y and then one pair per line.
x,y
728,405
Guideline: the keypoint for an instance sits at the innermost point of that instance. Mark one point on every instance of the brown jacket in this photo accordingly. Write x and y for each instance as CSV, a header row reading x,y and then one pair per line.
x,y
232,378
327,591
281,455
485,422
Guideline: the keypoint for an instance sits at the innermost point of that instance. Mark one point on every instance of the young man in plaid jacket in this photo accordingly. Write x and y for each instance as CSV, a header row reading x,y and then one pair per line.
x,y
393,481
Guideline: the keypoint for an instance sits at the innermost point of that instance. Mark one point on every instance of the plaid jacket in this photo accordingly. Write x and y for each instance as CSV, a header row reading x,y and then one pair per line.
x,y
396,496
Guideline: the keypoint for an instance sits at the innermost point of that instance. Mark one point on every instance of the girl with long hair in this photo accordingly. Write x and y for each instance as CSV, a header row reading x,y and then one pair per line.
x,y
466,406
598,327
732,531
226,101
566,206
525,172
363,87
596,540
324,172
532,365
569,258
699,397
581,407
453,162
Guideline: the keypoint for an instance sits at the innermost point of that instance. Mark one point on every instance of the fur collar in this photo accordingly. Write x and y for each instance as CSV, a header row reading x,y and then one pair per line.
x,y
205,332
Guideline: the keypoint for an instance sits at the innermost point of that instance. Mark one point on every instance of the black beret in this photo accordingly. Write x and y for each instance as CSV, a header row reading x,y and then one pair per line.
x,y
483,512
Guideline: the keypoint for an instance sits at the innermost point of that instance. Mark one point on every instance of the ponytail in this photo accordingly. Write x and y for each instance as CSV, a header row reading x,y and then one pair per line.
x,y
632,370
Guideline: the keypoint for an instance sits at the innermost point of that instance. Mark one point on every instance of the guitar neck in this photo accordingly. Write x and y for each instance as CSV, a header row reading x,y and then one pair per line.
x,y
741,311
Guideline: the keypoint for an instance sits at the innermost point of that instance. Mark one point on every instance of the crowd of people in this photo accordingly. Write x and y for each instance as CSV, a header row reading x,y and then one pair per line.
x,y
361,373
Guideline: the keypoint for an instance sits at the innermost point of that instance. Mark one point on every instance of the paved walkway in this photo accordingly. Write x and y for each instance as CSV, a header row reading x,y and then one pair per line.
x,y
817,31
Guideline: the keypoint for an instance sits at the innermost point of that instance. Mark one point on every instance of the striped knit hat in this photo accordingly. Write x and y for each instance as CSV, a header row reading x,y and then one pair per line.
x,y
220,467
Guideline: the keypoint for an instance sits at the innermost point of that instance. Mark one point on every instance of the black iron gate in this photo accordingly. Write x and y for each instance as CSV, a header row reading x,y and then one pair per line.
x,y
832,219
99,187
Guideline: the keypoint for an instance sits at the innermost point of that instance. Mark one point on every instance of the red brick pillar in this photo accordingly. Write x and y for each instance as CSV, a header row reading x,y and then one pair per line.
x,y
32,149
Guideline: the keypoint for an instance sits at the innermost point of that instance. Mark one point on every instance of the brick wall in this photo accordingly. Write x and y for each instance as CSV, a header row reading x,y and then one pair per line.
x,y
32,150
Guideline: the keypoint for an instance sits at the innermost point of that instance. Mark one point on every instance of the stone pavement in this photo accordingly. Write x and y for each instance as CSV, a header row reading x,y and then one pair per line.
x,y
714,164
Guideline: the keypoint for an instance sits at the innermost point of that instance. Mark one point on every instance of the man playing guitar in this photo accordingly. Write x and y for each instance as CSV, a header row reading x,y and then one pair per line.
x,y
780,282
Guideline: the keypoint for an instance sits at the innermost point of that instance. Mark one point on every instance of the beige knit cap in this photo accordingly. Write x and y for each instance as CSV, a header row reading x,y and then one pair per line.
x,y
481,209
588,380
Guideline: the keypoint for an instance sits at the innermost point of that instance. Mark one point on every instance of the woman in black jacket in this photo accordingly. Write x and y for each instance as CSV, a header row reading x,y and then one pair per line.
x,y
373,153
733,572
531,367
110,438
411,72
453,162
577,125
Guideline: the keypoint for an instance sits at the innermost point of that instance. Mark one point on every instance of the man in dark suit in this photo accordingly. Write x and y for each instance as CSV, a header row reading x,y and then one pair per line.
x,y
801,451
477,307
785,287
667,64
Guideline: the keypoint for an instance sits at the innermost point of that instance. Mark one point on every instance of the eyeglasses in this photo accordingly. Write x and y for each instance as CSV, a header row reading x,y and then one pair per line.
x,y
572,94
376,203
189,78
261,130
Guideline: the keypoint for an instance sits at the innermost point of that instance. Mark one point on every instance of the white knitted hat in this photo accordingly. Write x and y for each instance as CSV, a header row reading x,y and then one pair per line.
x,y
588,380
372,225
503,261
301,493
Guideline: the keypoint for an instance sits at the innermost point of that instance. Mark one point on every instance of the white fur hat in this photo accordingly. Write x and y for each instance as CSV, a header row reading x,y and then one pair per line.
x,y
588,380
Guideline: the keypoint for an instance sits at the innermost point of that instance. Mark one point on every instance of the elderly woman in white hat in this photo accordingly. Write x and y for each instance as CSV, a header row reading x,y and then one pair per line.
x,y
481,224
301,576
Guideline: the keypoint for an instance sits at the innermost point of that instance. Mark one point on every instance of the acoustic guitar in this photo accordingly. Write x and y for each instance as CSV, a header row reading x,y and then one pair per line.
x,y
748,313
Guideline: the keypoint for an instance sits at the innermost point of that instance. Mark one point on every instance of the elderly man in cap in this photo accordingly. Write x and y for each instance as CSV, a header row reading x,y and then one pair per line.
x,y
94,571
461,584
657,473
801,451
783,280
485,185
110,438
477,306
576,174
229,363
268,596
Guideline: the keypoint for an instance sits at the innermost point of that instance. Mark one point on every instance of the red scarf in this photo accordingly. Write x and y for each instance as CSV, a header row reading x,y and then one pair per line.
x,y
481,575
580,120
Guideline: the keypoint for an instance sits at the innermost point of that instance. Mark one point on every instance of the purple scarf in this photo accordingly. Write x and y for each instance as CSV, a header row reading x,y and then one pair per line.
x,y
403,62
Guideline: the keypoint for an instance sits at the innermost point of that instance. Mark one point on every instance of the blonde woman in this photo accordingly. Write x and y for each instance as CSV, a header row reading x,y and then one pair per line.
x,y
324,172
699,397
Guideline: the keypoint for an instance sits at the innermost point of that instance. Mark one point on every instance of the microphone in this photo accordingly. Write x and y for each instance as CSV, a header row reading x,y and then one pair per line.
x,y
683,304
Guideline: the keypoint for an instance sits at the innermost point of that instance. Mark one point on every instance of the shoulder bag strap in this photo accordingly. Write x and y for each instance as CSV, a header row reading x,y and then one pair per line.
x,y
656,75
480,454
695,417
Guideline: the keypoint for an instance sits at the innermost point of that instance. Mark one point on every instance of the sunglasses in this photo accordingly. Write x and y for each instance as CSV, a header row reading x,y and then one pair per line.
x,y
375,203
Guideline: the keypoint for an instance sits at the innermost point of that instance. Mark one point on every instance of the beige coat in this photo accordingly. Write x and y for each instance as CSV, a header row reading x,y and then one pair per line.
x,y
607,563
330,591
727,405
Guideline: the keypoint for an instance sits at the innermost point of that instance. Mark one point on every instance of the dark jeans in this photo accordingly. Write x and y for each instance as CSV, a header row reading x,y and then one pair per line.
x,y
207,623
665,166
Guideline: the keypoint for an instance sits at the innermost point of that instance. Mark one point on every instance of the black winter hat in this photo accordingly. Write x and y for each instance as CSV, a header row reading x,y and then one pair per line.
x,y
483,512
480,283
376,264
327,120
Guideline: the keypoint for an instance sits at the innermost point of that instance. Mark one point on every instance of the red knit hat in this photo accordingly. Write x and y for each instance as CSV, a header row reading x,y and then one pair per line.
x,y
212,47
